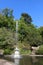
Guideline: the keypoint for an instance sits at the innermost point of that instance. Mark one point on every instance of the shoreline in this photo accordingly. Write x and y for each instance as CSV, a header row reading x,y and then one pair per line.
x,y
5,62
20,54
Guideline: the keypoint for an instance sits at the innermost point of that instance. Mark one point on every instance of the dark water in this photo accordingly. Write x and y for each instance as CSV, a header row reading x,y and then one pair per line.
x,y
27,60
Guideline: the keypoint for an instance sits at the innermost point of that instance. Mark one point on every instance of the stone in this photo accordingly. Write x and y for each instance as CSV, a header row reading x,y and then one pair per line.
x,y
5,62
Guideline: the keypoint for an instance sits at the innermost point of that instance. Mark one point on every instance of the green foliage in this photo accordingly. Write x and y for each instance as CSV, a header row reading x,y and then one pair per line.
x,y
7,12
23,51
22,30
7,29
6,39
28,34
6,19
40,50
27,18
41,32
7,51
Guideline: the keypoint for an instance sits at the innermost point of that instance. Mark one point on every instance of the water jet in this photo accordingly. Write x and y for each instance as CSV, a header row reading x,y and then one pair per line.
x,y
17,55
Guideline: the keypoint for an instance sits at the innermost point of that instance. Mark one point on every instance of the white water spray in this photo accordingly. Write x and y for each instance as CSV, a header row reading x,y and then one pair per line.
x,y
16,33
17,55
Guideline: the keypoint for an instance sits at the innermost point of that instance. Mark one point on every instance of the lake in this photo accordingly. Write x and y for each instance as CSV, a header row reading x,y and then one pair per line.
x,y
31,60
27,60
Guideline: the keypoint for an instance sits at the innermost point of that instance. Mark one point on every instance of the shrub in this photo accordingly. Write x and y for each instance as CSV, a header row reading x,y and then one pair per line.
x,y
7,51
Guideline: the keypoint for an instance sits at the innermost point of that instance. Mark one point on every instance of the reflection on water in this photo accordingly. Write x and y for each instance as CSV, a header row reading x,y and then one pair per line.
x,y
27,60
16,61
33,60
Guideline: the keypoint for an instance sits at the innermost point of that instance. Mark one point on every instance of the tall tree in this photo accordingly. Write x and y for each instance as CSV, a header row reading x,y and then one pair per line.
x,y
7,19
29,34
27,18
7,28
7,12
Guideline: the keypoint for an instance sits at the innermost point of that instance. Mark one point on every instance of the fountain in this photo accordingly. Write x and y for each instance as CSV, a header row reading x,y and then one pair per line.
x,y
17,55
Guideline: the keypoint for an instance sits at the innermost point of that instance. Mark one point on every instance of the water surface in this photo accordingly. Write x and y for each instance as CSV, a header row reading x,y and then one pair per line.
x,y
31,60
27,60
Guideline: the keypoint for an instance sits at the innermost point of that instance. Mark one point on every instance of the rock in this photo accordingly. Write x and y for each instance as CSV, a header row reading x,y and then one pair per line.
x,y
5,62
34,49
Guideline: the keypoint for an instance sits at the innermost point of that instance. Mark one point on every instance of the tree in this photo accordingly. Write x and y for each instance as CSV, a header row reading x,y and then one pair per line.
x,y
7,19
7,29
29,34
41,32
7,40
27,18
22,30
7,12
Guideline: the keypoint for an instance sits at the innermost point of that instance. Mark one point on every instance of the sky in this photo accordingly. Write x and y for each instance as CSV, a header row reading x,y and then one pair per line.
x,y
33,7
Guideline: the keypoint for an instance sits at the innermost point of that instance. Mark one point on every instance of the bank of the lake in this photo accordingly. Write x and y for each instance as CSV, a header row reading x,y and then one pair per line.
x,y
5,62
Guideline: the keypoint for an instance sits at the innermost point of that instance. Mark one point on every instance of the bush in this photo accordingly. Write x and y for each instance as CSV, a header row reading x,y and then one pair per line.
x,y
7,51
24,51
40,50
